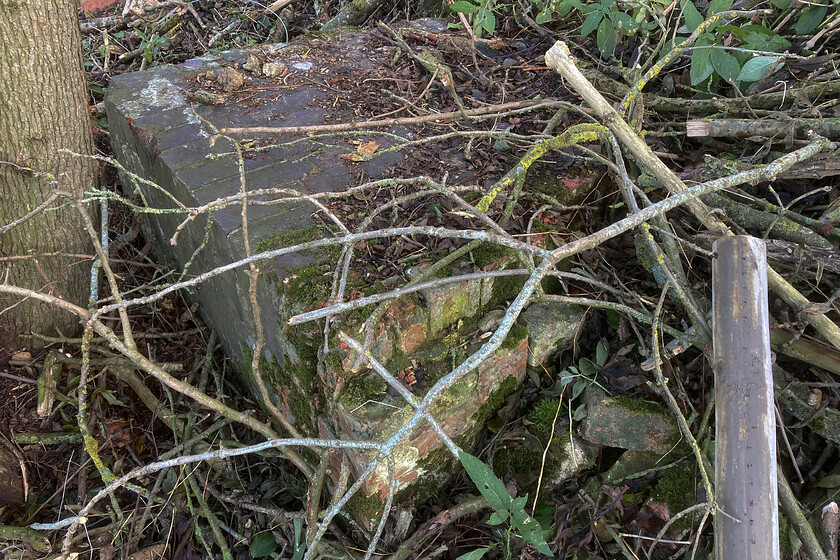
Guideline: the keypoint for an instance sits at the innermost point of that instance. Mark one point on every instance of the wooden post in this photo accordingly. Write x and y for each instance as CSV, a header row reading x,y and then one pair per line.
x,y
745,466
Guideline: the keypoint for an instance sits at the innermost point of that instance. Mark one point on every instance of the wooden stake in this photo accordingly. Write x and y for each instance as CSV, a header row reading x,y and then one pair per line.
x,y
745,466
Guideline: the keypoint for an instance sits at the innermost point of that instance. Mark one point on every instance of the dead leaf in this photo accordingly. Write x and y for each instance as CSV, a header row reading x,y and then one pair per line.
x,y
369,148
22,357
495,43
352,157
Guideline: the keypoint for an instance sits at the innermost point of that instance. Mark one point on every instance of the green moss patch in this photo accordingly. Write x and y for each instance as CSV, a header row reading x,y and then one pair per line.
x,y
676,488
362,389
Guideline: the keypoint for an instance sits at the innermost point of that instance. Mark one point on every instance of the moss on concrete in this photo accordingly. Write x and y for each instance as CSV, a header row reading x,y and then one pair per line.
x,y
640,406
515,336
676,488
488,253
362,389
505,289
366,507
542,416
301,382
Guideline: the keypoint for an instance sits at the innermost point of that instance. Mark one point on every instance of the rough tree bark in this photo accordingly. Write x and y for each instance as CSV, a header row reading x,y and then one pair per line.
x,y
43,108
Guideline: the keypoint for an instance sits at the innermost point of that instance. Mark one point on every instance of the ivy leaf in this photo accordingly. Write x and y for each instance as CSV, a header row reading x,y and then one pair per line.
x,y
262,544
487,483
591,22
725,64
756,68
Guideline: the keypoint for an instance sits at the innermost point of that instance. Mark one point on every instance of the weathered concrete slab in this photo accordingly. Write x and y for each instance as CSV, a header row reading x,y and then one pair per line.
x,y
161,135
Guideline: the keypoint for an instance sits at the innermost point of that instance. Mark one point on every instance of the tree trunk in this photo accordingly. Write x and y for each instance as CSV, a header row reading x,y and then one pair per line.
x,y
43,108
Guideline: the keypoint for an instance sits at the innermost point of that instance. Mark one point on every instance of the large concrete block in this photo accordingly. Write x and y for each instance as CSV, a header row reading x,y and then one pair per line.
x,y
159,134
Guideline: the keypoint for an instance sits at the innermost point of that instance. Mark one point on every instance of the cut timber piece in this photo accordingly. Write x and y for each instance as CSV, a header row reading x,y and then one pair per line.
x,y
745,465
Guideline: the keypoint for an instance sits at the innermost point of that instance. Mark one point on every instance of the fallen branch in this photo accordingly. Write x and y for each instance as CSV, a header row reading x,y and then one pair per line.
x,y
441,118
557,58
778,129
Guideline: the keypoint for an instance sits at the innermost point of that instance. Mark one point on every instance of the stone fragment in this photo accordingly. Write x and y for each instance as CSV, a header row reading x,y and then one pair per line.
x,y
408,322
449,302
573,456
274,69
626,422
226,78
552,326
251,64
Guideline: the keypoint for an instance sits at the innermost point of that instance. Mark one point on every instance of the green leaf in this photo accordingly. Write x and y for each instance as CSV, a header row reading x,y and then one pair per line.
x,y
545,14
496,519
108,396
811,18
740,33
489,21
781,4
518,504
578,388
725,65
566,377
613,317
463,7
531,531
475,554
487,483
605,38
602,352
579,413
262,544
718,6
693,18
756,68
830,481
591,22
300,544
577,5
624,23
587,368
701,66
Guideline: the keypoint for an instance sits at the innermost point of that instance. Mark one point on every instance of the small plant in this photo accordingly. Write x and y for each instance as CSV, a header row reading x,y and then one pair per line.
x,y
574,379
608,20
481,14
741,68
506,509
